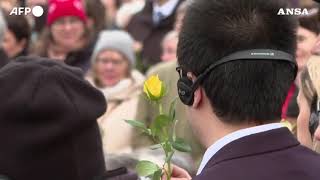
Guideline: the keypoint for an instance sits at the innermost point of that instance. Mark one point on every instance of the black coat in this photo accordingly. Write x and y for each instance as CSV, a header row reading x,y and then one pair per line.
x,y
81,58
142,28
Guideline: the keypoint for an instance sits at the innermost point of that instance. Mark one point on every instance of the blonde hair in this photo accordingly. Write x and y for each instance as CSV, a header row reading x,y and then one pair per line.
x,y
310,87
310,80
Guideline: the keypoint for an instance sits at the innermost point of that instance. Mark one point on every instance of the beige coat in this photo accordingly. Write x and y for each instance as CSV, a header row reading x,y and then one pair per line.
x,y
122,103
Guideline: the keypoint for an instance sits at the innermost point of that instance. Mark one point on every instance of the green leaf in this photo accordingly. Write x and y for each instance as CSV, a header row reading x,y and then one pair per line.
x,y
146,168
136,124
139,125
157,175
180,145
172,110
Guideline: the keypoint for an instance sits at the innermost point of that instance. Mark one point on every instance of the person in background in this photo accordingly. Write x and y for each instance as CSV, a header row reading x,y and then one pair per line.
x,y
149,26
96,16
181,11
307,32
66,37
126,11
306,3
3,27
59,127
37,23
169,46
17,36
111,8
8,5
233,104
112,73
308,101
65,135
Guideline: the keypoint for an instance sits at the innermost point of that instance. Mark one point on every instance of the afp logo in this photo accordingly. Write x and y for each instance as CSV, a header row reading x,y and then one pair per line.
x,y
37,11
293,12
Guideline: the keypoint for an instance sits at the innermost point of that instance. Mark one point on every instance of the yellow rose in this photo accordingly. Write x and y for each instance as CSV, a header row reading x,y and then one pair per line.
x,y
154,88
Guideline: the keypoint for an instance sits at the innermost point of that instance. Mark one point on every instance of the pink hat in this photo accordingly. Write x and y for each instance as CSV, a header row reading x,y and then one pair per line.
x,y
61,8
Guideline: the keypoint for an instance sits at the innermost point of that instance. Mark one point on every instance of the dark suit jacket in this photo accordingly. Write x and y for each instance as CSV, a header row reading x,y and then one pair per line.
x,y
142,29
271,155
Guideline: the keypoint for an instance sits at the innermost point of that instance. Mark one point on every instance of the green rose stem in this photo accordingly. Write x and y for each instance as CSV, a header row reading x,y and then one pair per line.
x,y
167,154
160,107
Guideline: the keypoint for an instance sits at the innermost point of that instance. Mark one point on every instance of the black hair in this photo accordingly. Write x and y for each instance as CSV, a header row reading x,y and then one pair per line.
x,y
310,22
239,91
96,10
20,27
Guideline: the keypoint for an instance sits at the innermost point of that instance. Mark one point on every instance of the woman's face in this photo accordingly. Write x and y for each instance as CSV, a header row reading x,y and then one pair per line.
x,y
169,49
68,31
110,68
306,42
11,45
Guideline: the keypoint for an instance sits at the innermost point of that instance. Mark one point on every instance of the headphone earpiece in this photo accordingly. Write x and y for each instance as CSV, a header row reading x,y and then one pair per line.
x,y
185,90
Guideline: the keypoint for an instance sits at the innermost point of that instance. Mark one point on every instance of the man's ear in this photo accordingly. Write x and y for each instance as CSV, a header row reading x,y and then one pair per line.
x,y
197,97
198,92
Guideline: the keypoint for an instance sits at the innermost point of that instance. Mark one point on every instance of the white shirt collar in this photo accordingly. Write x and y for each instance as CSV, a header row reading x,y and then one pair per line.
x,y
214,148
165,9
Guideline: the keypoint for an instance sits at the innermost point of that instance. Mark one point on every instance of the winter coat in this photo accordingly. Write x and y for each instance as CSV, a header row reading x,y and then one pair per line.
x,y
122,101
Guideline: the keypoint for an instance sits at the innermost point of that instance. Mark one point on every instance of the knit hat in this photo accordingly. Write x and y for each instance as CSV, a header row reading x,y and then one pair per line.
x,y
116,40
48,122
61,8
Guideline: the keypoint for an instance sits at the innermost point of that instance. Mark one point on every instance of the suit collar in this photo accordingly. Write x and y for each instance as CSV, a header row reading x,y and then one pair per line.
x,y
260,143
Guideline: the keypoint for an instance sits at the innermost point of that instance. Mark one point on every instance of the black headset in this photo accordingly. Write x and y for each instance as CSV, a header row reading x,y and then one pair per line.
x,y
187,87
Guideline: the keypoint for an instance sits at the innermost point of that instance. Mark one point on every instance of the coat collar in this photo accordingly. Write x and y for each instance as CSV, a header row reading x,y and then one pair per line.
x,y
260,143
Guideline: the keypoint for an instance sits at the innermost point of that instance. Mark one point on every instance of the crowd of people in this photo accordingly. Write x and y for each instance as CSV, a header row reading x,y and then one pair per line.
x,y
71,77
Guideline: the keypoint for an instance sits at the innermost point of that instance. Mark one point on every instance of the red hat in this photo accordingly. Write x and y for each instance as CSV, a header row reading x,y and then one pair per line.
x,y
61,8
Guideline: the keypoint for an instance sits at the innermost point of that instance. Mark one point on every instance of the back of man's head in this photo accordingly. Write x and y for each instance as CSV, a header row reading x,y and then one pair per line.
x,y
243,90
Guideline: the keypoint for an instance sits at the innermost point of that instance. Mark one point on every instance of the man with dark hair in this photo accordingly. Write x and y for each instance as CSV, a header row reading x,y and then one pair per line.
x,y
236,66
